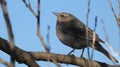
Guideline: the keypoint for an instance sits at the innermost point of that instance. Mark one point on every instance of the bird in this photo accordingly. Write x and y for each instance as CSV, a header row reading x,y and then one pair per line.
x,y
72,32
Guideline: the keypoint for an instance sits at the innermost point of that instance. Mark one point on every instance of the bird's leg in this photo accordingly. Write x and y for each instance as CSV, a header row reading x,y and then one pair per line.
x,y
70,52
82,52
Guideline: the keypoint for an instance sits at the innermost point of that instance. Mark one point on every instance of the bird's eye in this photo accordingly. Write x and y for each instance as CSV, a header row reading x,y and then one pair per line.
x,y
62,15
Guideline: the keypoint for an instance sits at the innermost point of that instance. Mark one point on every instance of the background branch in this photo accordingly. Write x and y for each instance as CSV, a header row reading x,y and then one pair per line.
x,y
5,62
37,15
9,29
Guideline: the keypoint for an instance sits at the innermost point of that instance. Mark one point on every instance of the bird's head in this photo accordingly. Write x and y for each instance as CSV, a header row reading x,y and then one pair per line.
x,y
64,17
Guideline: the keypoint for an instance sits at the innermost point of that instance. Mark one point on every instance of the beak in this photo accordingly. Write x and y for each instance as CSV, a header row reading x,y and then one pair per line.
x,y
56,13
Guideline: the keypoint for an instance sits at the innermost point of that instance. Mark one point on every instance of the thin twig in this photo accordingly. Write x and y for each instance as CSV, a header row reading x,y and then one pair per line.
x,y
57,64
48,42
94,38
37,15
38,27
112,9
87,35
40,36
107,39
87,17
5,62
48,37
118,22
119,6
117,19
104,30
96,19
29,7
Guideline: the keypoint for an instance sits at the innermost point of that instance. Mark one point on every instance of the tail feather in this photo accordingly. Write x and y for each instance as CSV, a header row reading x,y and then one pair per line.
x,y
105,52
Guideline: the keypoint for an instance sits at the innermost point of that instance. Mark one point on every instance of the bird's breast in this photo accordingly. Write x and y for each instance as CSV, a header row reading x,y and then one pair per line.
x,y
65,36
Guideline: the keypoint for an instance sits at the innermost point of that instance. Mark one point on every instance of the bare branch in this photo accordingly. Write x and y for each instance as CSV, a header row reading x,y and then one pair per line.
x,y
104,30
9,28
38,22
29,7
29,58
119,6
19,55
87,18
8,23
48,37
117,18
112,9
5,62
38,28
94,38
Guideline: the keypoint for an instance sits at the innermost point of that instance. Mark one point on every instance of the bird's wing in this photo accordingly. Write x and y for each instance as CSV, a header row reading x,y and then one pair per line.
x,y
80,33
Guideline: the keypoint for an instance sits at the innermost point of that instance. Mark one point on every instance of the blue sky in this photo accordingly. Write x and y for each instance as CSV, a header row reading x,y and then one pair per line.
x,y
24,26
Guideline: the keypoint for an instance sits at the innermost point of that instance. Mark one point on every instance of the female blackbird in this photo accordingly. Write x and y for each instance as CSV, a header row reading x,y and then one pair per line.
x,y
72,32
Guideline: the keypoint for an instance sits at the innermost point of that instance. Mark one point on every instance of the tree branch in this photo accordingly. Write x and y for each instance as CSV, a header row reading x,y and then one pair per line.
x,y
5,62
9,29
20,55
29,58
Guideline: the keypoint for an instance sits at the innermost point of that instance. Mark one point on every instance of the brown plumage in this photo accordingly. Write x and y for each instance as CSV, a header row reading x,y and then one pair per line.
x,y
72,32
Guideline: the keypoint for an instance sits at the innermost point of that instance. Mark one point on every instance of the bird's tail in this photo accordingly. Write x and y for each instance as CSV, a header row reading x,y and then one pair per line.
x,y
111,48
105,52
